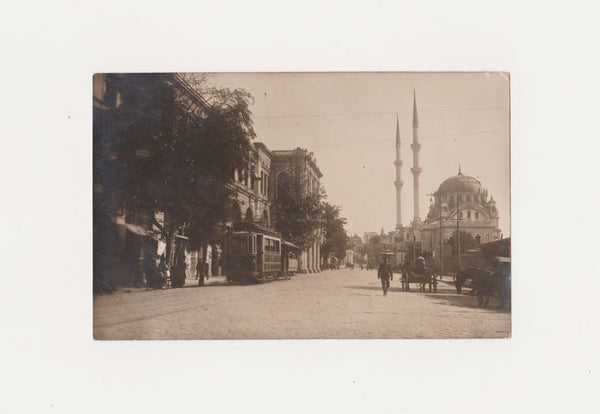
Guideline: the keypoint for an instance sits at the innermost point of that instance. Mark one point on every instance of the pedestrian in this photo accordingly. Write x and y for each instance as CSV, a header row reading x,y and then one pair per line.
x,y
384,273
420,264
200,272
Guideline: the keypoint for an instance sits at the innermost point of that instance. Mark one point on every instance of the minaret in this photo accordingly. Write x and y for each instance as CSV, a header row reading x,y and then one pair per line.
x,y
398,183
416,170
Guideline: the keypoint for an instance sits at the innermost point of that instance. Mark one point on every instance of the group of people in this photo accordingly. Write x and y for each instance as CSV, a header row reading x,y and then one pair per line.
x,y
385,274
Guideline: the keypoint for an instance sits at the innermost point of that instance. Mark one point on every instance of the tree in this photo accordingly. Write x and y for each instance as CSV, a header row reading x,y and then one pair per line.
x,y
467,242
297,211
166,149
374,247
335,235
362,250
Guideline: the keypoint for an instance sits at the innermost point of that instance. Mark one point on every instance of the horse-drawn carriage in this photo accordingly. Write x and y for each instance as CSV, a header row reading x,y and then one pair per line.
x,y
493,276
421,276
487,281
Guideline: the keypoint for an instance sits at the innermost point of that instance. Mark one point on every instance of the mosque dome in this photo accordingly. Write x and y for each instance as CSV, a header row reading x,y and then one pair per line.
x,y
460,184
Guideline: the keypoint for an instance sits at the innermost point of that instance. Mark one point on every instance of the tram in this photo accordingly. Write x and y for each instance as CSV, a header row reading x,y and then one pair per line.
x,y
253,254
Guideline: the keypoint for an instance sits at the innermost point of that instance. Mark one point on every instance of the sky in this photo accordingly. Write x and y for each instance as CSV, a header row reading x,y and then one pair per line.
x,y
348,120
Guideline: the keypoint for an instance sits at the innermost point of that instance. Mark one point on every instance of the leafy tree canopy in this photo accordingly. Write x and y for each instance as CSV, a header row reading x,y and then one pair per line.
x,y
297,211
467,242
166,151
335,235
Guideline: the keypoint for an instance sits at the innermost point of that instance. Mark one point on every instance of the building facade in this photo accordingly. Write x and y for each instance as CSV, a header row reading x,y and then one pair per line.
x,y
252,186
462,200
299,166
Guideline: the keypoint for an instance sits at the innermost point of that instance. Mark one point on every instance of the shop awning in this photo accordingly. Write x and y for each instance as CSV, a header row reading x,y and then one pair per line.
x,y
135,229
289,244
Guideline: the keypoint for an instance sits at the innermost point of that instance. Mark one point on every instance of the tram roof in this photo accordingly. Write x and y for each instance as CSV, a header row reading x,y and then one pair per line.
x,y
254,228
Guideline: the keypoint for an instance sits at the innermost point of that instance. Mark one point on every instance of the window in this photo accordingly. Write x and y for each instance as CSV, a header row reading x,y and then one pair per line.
x,y
477,214
460,215
469,215
469,198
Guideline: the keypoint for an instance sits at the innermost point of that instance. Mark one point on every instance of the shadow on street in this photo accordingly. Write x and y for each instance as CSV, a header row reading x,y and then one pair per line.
x,y
466,301
391,289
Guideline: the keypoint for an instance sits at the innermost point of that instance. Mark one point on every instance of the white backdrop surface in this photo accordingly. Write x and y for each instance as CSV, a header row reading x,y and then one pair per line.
x,y
49,360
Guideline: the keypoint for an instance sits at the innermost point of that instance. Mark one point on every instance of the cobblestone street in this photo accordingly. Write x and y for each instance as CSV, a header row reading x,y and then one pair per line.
x,y
333,304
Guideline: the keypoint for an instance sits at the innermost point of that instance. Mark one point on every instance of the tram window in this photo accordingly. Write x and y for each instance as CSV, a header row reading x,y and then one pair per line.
x,y
239,245
277,246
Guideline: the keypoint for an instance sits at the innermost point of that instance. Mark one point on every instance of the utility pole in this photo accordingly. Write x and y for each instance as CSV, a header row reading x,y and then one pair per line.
x,y
441,231
413,246
441,238
458,227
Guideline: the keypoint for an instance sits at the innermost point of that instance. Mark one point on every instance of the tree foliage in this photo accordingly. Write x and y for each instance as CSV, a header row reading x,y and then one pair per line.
x,y
467,242
374,247
335,235
163,151
297,211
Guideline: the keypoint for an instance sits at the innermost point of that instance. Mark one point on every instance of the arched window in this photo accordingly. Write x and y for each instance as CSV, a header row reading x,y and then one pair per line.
x,y
237,212
249,216
478,239
468,198
265,219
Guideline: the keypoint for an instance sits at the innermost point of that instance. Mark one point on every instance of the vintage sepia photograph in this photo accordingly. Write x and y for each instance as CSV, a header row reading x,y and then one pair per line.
x,y
331,205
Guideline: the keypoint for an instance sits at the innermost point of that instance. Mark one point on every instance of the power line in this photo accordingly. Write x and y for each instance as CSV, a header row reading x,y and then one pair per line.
x,y
494,108
426,137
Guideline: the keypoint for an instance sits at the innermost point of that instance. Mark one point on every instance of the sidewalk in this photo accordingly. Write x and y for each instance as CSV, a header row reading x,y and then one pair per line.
x,y
213,280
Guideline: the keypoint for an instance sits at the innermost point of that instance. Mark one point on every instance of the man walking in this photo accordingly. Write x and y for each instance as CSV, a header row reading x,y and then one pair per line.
x,y
384,273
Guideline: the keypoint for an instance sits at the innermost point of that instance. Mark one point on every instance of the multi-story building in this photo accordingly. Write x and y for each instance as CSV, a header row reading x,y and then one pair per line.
x,y
135,235
252,186
299,166
463,199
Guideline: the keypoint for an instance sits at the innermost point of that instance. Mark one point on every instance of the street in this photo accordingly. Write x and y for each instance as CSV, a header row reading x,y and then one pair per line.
x,y
339,304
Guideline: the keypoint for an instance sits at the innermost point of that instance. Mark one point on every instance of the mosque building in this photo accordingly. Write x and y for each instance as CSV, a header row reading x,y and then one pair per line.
x,y
459,198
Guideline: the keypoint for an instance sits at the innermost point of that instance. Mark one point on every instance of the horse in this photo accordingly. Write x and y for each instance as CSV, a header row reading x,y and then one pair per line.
x,y
422,277
485,283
